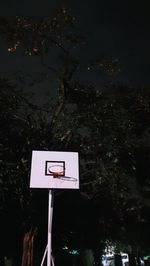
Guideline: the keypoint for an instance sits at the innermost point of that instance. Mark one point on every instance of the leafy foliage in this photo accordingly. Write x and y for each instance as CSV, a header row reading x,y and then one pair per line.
x,y
111,131
35,35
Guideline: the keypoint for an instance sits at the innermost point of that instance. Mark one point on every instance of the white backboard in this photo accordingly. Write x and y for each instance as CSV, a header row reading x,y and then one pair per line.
x,y
45,163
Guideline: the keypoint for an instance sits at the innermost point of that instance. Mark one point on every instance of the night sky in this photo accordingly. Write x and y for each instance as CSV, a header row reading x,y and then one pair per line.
x,y
113,29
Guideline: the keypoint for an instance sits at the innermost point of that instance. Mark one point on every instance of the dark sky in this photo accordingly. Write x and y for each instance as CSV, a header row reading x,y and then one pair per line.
x,y
115,29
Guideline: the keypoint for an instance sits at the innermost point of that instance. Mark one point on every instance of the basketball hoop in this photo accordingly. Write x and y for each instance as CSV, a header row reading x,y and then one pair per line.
x,y
56,170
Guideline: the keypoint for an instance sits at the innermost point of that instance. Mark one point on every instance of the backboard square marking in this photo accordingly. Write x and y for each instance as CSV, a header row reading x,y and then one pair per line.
x,y
54,167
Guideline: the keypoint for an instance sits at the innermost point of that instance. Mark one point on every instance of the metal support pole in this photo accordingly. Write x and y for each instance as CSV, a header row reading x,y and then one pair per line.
x,y
43,259
48,249
50,215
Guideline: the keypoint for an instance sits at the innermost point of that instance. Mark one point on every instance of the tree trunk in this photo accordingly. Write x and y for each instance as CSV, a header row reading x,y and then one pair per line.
x,y
28,244
138,260
87,257
132,260
118,260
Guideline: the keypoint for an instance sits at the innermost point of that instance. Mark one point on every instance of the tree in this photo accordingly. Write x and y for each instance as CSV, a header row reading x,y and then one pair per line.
x,y
27,124
110,131
24,127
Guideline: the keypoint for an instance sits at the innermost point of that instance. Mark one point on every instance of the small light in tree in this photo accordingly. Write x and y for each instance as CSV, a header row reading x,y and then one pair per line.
x,y
74,252
12,49
116,160
64,10
35,49
65,248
